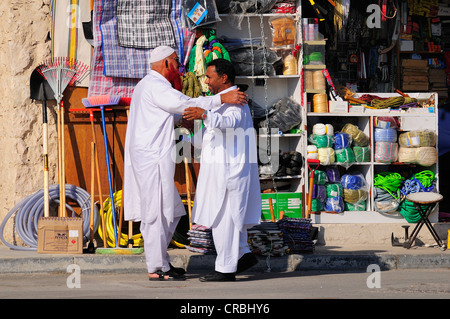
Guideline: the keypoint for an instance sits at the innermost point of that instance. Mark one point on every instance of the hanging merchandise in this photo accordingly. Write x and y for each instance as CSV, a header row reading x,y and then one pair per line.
x,y
200,13
197,62
191,85
249,61
417,138
285,117
283,31
386,152
245,6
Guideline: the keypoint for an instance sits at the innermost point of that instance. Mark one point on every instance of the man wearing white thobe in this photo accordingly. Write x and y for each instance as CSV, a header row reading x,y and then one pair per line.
x,y
150,195
227,197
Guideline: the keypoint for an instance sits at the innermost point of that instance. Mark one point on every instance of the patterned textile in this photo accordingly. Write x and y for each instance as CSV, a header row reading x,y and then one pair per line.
x,y
144,24
119,61
100,84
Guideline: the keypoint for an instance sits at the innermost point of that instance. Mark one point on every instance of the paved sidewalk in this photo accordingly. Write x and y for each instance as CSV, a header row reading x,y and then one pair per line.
x,y
352,258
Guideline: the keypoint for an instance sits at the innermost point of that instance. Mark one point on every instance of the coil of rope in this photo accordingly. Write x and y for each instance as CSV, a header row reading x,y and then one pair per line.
x,y
394,102
390,182
422,181
29,210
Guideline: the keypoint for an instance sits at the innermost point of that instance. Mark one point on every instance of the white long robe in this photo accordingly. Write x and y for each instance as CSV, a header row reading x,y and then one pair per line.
x,y
149,187
228,169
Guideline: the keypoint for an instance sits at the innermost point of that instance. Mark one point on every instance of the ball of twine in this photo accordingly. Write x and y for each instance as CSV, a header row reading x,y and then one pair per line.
x,y
353,196
342,140
311,151
323,129
326,155
334,204
334,189
362,153
385,135
417,138
386,152
345,156
424,156
358,136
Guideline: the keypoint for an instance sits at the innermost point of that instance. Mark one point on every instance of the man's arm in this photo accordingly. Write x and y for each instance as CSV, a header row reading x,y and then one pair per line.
x,y
231,118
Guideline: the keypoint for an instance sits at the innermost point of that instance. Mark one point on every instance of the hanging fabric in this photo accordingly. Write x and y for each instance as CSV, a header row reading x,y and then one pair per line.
x,y
100,84
144,24
67,32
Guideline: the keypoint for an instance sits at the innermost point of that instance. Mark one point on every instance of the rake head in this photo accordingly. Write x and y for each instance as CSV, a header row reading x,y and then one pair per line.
x,y
61,72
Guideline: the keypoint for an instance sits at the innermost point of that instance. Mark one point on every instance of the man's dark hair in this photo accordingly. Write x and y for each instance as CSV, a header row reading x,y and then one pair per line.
x,y
224,67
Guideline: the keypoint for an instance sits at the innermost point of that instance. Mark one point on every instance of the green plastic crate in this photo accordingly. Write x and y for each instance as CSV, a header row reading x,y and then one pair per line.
x,y
290,203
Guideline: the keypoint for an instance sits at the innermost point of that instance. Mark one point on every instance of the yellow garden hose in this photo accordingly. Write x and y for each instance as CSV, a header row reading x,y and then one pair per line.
x,y
123,241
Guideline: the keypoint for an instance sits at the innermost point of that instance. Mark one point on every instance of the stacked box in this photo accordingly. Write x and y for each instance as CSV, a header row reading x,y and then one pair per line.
x,y
415,75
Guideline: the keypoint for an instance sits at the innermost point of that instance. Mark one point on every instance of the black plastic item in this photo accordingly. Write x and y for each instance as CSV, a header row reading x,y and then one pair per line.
x,y
245,6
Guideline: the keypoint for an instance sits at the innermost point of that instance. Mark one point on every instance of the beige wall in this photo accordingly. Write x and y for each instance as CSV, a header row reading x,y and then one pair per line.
x,y
24,43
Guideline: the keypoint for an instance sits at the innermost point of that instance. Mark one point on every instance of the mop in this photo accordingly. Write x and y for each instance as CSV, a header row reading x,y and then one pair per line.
x,y
102,101
59,73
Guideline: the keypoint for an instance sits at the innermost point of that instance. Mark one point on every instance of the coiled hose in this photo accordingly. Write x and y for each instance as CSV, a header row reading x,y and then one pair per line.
x,y
30,209
109,225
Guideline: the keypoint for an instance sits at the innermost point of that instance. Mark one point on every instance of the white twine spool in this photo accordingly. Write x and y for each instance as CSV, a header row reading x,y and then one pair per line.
x,y
311,151
326,155
323,129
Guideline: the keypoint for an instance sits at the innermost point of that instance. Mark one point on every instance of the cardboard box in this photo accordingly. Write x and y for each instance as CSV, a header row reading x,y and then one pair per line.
x,y
413,63
406,45
290,204
60,235
338,106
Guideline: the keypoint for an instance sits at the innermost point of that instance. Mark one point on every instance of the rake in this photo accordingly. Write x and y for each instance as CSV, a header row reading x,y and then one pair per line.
x,y
59,73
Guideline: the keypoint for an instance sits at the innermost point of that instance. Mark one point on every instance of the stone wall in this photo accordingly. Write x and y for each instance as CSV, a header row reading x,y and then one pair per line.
x,y
24,43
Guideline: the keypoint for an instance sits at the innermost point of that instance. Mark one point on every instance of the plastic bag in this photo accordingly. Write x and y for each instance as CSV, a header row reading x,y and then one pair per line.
x,y
286,116
283,31
200,13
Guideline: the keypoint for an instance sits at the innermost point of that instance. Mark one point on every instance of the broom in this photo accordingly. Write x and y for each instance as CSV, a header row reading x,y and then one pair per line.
x,y
102,101
59,73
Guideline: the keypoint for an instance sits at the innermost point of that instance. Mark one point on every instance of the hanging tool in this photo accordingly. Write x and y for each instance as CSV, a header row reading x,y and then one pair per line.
x,y
318,9
333,93
313,165
40,90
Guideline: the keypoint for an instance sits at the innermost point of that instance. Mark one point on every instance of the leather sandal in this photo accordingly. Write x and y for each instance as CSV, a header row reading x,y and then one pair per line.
x,y
167,275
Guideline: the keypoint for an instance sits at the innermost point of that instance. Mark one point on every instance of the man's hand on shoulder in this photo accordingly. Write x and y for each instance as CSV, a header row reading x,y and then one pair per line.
x,y
234,97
